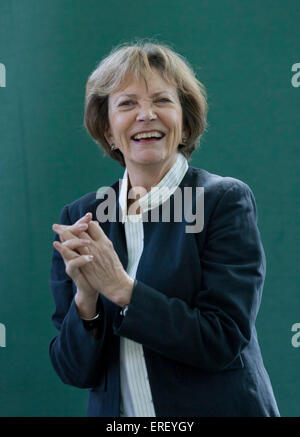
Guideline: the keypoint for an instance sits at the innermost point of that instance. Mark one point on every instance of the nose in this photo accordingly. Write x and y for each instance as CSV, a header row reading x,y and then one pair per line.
x,y
146,113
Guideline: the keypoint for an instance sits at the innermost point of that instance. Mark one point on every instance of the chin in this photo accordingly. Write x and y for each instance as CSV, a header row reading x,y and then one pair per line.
x,y
149,157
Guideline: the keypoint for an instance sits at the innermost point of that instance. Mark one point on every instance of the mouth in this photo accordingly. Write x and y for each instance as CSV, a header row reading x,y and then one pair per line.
x,y
147,140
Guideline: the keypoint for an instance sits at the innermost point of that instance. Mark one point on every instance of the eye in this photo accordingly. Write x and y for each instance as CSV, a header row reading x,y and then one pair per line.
x,y
125,102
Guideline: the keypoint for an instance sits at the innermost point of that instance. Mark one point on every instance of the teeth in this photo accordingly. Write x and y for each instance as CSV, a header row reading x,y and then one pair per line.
x,y
148,135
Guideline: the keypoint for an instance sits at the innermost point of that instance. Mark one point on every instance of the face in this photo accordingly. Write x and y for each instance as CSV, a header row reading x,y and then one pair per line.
x,y
141,107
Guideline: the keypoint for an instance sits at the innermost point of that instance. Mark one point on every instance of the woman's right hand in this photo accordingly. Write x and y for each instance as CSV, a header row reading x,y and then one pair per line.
x,y
75,253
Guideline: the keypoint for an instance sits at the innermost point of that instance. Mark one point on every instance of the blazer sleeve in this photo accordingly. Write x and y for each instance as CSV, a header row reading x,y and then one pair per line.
x,y
75,354
211,334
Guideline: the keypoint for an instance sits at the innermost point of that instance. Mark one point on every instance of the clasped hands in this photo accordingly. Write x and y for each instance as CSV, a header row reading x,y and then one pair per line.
x,y
92,262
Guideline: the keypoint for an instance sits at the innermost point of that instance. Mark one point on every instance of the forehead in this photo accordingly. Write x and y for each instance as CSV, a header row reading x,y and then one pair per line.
x,y
151,84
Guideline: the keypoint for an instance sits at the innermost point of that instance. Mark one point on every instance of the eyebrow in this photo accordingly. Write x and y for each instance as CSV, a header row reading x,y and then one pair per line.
x,y
134,95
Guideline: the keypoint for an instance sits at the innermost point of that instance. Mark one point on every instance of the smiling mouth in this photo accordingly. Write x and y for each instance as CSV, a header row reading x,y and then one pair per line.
x,y
147,140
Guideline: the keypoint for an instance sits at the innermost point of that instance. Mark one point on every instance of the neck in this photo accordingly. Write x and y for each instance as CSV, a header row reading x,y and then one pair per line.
x,y
148,176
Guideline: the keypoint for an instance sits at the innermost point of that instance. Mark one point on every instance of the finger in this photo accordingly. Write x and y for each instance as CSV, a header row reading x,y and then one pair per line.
x,y
77,263
85,248
81,246
67,234
85,235
74,243
65,252
76,226
59,229
84,219
95,231
81,232
64,232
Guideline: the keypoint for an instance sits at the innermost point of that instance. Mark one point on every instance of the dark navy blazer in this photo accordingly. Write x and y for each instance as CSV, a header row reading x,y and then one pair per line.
x,y
193,308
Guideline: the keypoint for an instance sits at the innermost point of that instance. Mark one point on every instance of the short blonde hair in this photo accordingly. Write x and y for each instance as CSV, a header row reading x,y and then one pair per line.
x,y
137,60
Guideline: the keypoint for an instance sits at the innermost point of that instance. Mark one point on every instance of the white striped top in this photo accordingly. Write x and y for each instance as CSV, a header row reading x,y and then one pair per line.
x,y
136,398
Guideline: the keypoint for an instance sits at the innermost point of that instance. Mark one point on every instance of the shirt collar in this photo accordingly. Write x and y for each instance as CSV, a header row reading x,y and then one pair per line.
x,y
161,192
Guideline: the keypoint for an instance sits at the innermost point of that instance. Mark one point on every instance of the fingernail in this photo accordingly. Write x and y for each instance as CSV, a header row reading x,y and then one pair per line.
x,y
89,257
82,226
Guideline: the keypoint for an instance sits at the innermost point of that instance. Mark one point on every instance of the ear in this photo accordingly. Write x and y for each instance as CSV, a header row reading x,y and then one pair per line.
x,y
186,132
109,137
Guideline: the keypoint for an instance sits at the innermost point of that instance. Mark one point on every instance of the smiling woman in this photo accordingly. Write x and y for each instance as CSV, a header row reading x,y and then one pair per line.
x,y
157,320
148,130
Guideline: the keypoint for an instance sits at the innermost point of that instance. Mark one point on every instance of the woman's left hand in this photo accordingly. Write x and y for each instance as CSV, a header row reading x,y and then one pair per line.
x,y
105,272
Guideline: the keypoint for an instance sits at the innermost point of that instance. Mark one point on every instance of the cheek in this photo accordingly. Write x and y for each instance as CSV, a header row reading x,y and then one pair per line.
x,y
119,123
175,119
175,124
116,124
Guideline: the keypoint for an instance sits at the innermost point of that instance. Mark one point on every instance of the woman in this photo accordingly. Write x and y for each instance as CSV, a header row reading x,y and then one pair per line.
x,y
157,317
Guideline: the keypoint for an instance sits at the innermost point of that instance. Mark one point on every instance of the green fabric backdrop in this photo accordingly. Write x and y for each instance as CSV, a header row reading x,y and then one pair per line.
x,y
243,52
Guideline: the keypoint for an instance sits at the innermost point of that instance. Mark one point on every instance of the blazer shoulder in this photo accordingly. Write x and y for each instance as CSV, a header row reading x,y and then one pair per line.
x,y
221,192
214,184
